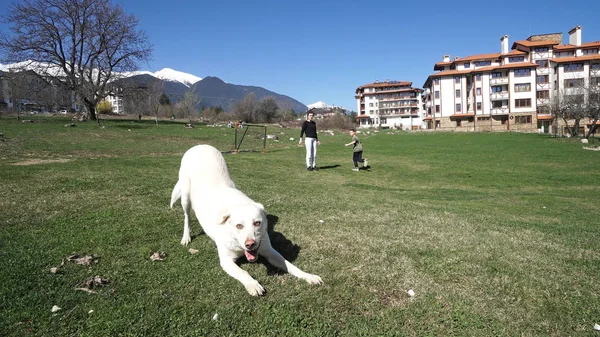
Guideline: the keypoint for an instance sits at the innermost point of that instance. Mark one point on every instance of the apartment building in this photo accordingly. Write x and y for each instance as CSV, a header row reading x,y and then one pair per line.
x,y
510,90
389,104
115,98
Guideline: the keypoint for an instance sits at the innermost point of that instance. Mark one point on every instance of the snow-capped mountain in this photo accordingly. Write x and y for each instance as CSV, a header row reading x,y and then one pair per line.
x,y
318,105
168,74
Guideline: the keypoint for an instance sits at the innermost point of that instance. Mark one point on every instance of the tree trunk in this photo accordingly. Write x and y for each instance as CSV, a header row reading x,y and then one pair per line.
x,y
592,129
91,109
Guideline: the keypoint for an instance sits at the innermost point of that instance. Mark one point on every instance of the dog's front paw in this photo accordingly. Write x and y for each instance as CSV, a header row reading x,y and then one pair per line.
x,y
185,240
313,279
254,288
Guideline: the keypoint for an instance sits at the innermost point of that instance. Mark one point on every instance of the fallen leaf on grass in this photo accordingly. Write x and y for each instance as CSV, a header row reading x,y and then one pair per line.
x,y
597,327
193,251
411,293
54,270
55,308
91,283
82,260
158,256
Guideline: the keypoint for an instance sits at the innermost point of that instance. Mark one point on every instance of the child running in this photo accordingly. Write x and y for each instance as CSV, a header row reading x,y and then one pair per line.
x,y
357,151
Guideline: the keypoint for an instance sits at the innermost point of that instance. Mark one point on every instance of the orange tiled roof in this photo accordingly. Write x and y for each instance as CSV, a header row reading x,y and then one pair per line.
x,y
576,58
385,84
451,72
363,116
428,118
573,47
544,117
514,52
441,65
529,44
462,115
484,69
479,57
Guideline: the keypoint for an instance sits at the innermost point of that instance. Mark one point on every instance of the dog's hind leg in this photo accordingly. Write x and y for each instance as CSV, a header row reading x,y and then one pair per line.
x,y
280,262
186,204
176,194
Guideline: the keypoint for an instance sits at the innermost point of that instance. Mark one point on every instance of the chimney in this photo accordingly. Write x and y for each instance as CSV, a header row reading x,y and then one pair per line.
x,y
504,44
575,36
446,58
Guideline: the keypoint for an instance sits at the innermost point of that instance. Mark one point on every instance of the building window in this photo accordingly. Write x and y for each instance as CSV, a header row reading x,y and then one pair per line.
x,y
590,51
457,79
522,119
370,105
478,106
542,63
458,122
522,72
436,80
522,87
523,103
498,88
478,77
542,94
437,94
483,63
437,108
595,66
565,54
573,67
514,59
478,91
483,119
542,79
594,80
467,65
497,75
541,49
457,93
457,107
573,83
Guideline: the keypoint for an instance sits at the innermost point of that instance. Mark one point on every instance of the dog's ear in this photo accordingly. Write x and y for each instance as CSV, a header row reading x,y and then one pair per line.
x,y
223,216
259,205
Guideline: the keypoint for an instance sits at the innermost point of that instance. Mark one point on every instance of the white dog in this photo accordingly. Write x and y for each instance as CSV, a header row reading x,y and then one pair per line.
x,y
236,223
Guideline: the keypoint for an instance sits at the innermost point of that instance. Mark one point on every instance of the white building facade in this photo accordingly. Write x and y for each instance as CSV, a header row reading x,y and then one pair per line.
x,y
510,90
390,104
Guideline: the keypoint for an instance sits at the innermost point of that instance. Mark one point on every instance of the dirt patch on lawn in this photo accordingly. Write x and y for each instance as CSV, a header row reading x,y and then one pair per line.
x,y
40,161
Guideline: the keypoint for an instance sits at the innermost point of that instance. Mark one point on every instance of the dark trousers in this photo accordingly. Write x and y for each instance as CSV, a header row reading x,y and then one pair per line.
x,y
357,158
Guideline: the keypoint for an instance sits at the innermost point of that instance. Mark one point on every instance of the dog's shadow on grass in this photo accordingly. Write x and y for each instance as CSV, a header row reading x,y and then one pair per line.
x,y
285,247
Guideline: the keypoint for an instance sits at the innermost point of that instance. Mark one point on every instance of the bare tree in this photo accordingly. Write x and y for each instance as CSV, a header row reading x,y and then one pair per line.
x,y
267,110
245,110
187,107
569,107
79,44
155,92
593,106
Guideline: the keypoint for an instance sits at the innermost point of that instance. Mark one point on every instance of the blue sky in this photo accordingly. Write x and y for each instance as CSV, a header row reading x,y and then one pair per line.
x,y
323,50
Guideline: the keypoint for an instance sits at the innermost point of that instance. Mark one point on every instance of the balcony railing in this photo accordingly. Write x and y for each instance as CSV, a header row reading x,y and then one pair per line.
x,y
543,71
499,80
499,111
499,96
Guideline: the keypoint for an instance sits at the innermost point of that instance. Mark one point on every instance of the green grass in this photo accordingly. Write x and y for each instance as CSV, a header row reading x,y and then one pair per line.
x,y
497,233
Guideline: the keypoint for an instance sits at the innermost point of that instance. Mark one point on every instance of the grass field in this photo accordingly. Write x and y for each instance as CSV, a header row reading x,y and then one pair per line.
x,y
497,233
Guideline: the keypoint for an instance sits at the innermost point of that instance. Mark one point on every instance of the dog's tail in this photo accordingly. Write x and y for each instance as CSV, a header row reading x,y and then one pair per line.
x,y
176,194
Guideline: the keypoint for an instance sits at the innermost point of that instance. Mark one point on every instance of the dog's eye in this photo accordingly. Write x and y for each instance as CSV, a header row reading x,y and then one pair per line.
x,y
239,226
256,223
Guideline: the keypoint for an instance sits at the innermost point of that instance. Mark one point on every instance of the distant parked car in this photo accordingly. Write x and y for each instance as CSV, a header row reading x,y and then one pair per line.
x,y
63,112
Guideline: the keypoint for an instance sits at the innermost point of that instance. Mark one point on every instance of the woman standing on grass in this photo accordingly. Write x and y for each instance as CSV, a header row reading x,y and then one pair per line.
x,y
309,128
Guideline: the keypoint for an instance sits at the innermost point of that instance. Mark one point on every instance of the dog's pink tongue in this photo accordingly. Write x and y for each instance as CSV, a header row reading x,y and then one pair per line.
x,y
251,255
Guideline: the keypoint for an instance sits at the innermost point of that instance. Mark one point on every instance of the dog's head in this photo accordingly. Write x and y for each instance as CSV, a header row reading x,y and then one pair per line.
x,y
247,224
